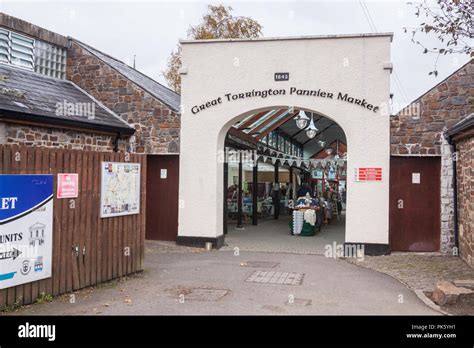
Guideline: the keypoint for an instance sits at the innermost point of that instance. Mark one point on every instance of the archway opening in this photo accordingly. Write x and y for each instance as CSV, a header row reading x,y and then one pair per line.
x,y
285,180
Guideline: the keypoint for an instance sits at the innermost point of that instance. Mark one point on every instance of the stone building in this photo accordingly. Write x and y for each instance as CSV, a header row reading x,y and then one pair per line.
x,y
149,107
58,92
461,136
53,78
417,131
29,114
38,104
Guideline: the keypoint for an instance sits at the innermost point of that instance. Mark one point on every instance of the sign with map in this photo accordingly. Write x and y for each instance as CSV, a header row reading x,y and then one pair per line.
x,y
26,228
120,189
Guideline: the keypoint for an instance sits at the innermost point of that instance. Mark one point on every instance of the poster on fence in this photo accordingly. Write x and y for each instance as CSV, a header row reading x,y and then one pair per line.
x,y
26,228
120,189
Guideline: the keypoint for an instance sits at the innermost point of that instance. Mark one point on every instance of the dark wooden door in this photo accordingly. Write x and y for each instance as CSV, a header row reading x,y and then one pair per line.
x,y
162,197
415,203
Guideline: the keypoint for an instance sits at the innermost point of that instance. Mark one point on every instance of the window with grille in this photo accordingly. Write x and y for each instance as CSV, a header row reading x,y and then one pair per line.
x,y
25,52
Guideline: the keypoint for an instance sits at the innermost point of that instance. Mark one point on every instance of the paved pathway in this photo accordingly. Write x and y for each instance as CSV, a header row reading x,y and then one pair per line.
x,y
274,236
184,281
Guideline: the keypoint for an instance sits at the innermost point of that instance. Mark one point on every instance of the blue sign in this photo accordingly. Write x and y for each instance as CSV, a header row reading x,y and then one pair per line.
x,y
26,228
21,194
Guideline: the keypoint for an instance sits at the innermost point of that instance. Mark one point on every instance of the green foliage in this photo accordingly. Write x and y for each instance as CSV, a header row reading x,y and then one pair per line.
x,y
17,304
43,297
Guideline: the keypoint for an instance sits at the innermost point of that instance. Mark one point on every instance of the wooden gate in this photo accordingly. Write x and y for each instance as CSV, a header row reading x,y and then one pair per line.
x,y
162,197
415,221
101,241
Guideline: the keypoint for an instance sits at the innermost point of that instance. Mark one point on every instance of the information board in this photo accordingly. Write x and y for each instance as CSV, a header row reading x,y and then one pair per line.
x,y
26,228
120,189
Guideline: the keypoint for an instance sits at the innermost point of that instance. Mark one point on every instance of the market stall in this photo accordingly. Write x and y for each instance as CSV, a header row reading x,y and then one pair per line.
x,y
305,218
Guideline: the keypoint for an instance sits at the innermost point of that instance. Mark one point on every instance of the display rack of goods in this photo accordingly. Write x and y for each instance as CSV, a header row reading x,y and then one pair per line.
x,y
304,217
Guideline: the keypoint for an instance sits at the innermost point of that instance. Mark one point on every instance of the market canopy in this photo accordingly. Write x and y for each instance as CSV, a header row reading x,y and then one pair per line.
x,y
256,126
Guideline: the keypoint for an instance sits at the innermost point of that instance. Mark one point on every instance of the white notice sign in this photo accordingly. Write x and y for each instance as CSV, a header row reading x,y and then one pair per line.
x,y
415,178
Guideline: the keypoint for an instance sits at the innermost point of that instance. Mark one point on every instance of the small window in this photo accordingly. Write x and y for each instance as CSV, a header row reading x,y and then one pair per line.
x,y
16,49
21,51
273,140
50,60
25,52
281,144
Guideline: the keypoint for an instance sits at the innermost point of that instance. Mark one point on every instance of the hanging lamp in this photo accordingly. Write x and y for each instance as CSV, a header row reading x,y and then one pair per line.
x,y
301,120
312,130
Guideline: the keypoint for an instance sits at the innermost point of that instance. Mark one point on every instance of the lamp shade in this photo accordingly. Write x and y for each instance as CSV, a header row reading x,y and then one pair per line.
x,y
301,120
311,133
312,130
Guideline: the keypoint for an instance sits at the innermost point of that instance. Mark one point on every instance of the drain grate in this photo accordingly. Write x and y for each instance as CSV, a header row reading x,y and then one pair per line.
x,y
271,277
260,264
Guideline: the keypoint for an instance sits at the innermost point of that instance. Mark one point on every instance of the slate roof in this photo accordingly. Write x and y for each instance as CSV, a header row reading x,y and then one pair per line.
x,y
162,93
33,97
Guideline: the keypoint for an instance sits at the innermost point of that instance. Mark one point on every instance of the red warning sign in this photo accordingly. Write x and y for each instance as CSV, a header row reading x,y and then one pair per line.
x,y
68,185
368,174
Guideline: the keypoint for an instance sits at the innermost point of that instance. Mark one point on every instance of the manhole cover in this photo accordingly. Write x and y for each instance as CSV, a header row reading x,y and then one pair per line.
x,y
200,294
259,264
271,277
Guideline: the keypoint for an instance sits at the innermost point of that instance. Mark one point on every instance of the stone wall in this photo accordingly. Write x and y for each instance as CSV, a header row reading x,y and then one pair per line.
x,y
447,198
418,130
19,134
465,175
157,127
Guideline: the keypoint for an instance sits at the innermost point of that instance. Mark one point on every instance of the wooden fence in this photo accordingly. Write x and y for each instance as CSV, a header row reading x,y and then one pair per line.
x,y
108,247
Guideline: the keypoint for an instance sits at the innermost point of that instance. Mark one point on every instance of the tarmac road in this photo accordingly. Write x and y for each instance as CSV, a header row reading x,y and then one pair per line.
x,y
200,283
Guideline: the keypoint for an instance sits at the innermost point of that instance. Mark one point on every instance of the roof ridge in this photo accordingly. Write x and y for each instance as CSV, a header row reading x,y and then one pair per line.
x,y
118,60
95,49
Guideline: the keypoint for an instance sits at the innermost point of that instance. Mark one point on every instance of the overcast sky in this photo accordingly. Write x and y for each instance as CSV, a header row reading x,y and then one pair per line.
x,y
151,29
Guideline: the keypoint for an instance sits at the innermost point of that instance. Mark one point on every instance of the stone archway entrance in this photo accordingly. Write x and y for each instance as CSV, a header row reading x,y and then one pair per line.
x,y
343,78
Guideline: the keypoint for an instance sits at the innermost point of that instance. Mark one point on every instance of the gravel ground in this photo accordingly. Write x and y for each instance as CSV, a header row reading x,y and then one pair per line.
x,y
417,270
422,271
